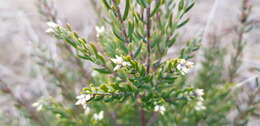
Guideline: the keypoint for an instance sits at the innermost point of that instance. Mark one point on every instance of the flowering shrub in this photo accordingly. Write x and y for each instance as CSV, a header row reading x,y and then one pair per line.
x,y
130,61
133,81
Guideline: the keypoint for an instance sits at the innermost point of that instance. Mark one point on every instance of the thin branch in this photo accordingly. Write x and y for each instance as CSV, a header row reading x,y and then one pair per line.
x,y
119,16
34,116
153,119
239,44
148,37
46,9
142,116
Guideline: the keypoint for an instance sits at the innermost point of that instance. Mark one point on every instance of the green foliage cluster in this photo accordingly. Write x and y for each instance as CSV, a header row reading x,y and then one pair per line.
x,y
133,45
133,82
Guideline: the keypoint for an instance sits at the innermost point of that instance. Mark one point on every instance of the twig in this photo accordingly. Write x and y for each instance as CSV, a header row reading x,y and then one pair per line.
x,y
243,114
51,14
239,44
142,116
153,119
148,37
5,89
123,29
119,16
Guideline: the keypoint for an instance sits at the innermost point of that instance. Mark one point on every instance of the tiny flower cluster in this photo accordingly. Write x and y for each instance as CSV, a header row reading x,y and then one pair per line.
x,y
199,105
82,100
159,108
195,95
119,61
184,66
99,31
39,104
52,27
98,116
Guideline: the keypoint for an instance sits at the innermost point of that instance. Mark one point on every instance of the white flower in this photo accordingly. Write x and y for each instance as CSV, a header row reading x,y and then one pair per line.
x,y
159,108
100,30
184,66
87,109
199,106
50,30
38,105
200,98
52,24
199,92
98,116
119,61
82,100
94,73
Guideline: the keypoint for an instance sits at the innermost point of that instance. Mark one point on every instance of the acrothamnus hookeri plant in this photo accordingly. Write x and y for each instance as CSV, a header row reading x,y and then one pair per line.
x,y
130,57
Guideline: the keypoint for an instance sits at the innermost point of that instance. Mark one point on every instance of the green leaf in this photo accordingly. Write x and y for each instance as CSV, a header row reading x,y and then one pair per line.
x,y
183,23
118,36
181,5
116,86
98,98
130,29
106,4
143,3
94,49
85,57
170,22
156,41
123,47
118,2
71,42
103,70
189,7
104,87
156,9
172,41
101,58
137,52
127,7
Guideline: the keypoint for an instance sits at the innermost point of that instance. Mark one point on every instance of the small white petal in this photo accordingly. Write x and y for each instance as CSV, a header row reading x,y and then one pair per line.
x,y
118,60
35,104
199,92
78,102
39,108
126,64
156,108
99,116
184,66
86,109
160,109
52,24
50,30
117,67
88,97
100,29
80,97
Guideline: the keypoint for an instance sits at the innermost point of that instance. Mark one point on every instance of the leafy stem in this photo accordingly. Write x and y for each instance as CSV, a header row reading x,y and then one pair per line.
x,y
120,18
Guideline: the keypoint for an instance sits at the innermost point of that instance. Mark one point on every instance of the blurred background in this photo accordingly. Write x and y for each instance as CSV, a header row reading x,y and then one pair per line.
x,y
24,43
